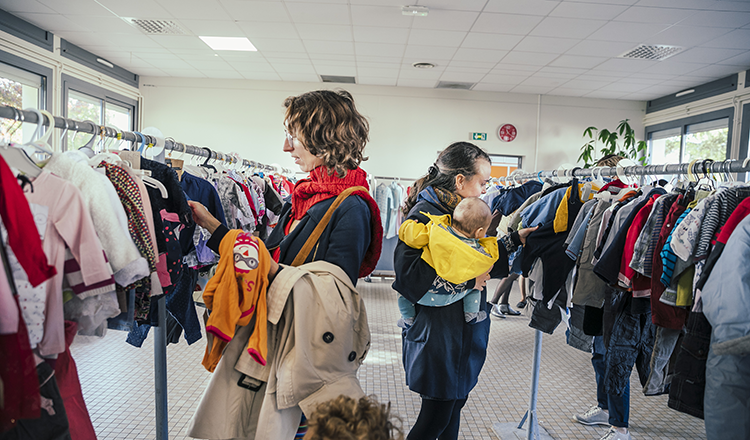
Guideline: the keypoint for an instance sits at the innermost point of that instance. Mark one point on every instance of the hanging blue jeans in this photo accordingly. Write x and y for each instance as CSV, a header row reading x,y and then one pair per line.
x,y
618,406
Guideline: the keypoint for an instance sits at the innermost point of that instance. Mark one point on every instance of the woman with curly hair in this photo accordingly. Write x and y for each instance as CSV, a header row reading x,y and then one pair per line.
x,y
344,418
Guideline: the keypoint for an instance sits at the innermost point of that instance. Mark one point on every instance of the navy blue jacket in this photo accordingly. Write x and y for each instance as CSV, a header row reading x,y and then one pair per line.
x,y
343,242
442,354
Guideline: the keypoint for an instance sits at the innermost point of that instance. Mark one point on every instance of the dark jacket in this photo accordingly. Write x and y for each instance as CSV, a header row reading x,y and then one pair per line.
x,y
343,242
442,354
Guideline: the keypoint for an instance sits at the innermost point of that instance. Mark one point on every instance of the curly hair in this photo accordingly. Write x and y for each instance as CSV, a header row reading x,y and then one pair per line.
x,y
344,418
329,126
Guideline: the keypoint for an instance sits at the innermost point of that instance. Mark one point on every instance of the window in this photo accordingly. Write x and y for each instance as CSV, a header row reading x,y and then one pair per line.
x,y
20,89
86,102
504,165
706,136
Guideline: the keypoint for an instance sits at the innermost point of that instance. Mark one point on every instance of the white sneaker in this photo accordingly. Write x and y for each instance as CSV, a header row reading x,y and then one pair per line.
x,y
614,434
593,416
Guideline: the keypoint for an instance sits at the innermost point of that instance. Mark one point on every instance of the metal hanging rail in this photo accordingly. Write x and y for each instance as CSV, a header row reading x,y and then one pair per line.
x,y
160,336
8,112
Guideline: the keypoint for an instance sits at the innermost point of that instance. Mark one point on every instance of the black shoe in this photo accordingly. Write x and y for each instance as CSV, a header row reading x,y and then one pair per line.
x,y
496,312
506,310
521,304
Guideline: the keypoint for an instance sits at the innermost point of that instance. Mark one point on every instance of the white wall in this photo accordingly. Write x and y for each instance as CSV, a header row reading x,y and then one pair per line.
x,y
408,126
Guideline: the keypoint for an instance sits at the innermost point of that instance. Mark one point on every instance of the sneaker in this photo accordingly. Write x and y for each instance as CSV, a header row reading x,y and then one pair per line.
x,y
521,304
594,416
614,434
495,311
506,310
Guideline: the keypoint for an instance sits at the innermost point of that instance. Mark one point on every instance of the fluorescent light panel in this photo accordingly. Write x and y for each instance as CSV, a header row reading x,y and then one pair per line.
x,y
229,43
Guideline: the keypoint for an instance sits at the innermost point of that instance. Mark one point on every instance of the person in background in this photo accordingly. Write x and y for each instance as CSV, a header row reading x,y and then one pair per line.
x,y
442,353
344,418
326,137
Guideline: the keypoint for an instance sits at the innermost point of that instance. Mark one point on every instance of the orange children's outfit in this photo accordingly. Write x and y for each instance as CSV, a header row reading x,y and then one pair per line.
x,y
234,294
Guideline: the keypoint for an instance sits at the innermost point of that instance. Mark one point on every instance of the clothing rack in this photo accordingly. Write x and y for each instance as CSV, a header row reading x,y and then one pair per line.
x,y
394,178
160,335
697,168
73,125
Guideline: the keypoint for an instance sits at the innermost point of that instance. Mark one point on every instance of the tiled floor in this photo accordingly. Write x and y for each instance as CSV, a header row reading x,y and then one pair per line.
x,y
117,381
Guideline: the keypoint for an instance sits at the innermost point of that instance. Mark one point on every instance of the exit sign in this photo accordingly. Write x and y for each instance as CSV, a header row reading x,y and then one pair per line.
x,y
479,136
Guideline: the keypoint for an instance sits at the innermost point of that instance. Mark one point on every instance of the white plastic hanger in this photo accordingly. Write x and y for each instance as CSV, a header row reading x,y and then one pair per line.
x,y
17,157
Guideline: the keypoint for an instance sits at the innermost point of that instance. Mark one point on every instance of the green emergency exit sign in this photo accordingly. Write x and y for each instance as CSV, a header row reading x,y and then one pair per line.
x,y
479,136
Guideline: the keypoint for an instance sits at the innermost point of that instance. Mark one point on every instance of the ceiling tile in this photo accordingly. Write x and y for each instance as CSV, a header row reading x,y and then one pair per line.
x,y
530,7
75,8
566,91
546,44
624,87
732,5
404,82
14,6
597,75
379,73
180,42
567,27
52,22
166,55
578,61
425,37
528,58
600,48
376,81
420,74
377,59
138,41
505,24
463,5
586,84
216,64
336,47
446,20
379,49
262,76
644,82
256,11
134,8
213,28
610,2
504,79
602,94
532,90
483,55
587,10
255,29
332,57
629,32
109,24
544,82
487,87
717,19
687,36
473,70
416,54
478,40
335,63
670,67
299,68
326,69
638,14
706,55
471,64
149,72
515,69
322,13
195,9
718,70
288,58
373,34
646,75
267,45
743,59
243,68
461,76
563,70
300,77
736,39
222,74
385,16
626,65
327,32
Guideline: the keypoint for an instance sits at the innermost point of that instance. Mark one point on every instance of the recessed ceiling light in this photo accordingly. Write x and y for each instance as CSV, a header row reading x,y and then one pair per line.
x,y
423,65
415,10
229,43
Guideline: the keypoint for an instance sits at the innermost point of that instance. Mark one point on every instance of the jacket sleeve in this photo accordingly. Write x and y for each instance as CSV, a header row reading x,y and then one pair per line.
x,y
414,234
349,238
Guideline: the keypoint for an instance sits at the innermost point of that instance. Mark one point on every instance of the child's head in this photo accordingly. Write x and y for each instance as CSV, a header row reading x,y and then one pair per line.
x,y
344,418
472,217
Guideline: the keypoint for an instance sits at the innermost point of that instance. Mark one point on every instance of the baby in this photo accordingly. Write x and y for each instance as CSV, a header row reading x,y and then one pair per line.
x,y
458,252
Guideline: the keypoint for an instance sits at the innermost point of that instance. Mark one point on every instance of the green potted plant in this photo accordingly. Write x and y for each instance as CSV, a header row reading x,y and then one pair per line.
x,y
630,147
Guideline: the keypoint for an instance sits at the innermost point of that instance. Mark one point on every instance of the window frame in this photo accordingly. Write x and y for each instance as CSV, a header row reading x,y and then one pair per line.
x,y
31,67
683,124
79,86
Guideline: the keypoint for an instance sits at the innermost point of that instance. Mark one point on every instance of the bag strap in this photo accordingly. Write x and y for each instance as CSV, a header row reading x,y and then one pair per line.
x,y
318,231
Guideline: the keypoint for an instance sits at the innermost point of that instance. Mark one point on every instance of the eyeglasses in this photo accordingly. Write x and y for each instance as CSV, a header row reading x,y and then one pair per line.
x,y
289,138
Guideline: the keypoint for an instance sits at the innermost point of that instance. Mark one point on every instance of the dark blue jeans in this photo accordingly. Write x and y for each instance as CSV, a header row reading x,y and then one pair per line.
x,y
618,406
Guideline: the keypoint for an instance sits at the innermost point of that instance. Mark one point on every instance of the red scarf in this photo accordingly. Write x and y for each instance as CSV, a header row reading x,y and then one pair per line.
x,y
321,186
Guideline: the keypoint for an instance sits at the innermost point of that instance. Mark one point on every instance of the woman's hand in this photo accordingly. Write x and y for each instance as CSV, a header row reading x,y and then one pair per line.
x,y
481,280
524,233
203,218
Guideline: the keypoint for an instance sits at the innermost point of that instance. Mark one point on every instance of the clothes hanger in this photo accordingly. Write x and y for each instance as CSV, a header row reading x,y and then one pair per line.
x,y
17,157
86,148
38,144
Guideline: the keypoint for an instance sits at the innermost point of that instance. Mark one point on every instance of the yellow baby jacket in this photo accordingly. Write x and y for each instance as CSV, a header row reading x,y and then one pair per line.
x,y
453,259
235,294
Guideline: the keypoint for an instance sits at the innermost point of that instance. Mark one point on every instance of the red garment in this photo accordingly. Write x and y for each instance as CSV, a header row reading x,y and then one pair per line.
x,y
66,374
626,274
617,183
18,373
665,315
23,236
740,212
322,186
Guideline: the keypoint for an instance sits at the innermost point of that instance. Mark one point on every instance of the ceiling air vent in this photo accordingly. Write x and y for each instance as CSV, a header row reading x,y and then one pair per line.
x,y
657,52
338,79
454,85
156,27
